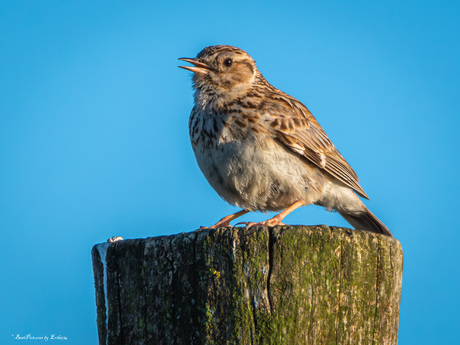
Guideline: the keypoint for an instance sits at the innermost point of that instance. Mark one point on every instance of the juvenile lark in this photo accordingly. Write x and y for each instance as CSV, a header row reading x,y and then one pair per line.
x,y
261,149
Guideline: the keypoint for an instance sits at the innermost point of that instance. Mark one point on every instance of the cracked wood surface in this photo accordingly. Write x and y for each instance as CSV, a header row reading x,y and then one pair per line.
x,y
282,285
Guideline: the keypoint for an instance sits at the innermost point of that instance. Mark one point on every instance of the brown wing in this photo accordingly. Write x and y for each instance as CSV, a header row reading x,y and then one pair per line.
x,y
296,128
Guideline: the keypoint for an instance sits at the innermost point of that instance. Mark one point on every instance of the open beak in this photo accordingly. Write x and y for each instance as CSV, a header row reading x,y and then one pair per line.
x,y
198,66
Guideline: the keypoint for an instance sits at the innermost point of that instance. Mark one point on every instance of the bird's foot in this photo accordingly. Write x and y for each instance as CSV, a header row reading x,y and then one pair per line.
x,y
219,224
225,222
276,220
269,222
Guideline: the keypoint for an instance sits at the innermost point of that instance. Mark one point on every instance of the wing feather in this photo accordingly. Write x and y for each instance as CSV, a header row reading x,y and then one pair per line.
x,y
296,128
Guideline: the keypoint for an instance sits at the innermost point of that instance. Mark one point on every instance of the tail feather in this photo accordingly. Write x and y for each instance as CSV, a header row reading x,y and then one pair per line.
x,y
365,220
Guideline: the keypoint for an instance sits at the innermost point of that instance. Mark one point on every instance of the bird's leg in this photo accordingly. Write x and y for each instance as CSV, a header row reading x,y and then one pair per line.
x,y
280,216
226,220
276,220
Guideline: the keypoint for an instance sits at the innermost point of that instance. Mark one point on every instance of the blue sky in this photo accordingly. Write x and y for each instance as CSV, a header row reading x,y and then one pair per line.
x,y
94,138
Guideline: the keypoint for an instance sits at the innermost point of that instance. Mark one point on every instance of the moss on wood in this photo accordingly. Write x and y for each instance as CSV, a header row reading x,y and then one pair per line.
x,y
282,285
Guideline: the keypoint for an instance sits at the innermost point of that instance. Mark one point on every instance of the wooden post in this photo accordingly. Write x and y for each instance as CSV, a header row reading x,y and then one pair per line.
x,y
259,285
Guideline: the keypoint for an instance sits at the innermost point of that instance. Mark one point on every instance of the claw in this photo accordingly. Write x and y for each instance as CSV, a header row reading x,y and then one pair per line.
x,y
248,224
225,222
219,225
269,222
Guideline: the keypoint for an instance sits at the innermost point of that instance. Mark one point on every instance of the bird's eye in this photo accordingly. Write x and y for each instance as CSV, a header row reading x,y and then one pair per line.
x,y
228,62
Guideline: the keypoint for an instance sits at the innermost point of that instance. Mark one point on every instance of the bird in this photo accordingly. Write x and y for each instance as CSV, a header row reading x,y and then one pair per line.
x,y
261,149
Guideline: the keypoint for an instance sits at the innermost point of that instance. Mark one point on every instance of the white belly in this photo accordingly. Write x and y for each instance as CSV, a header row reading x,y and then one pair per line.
x,y
259,174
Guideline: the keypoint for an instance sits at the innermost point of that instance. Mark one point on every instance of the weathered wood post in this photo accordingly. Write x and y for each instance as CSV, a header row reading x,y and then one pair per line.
x,y
259,285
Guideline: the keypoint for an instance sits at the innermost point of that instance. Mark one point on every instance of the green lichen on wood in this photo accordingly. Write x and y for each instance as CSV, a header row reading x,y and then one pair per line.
x,y
282,285
305,283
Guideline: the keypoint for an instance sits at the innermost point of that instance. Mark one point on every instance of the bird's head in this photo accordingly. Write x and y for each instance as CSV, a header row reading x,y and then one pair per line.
x,y
224,71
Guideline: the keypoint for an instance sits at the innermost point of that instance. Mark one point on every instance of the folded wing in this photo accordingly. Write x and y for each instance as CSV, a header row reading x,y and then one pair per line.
x,y
296,128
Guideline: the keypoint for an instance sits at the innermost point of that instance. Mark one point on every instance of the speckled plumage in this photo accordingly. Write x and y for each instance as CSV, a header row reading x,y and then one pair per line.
x,y
261,149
